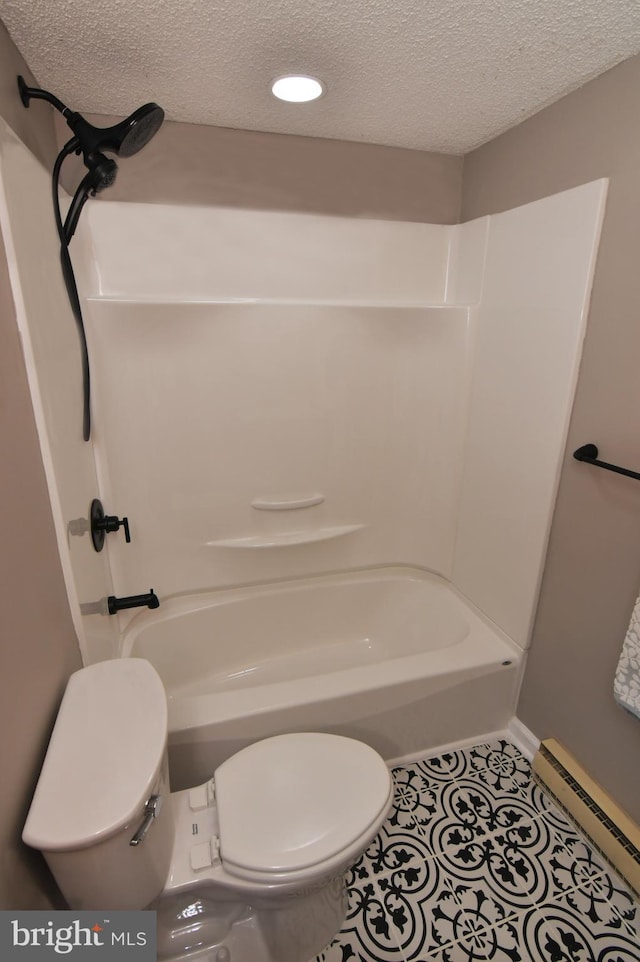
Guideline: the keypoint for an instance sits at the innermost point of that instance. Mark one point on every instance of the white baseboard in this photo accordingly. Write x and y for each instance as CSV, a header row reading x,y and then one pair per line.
x,y
522,738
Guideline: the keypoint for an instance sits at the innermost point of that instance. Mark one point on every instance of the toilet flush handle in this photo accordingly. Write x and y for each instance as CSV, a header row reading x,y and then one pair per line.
x,y
151,811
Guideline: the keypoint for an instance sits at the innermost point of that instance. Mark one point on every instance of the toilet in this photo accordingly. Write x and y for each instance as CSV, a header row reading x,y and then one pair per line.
x,y
247,867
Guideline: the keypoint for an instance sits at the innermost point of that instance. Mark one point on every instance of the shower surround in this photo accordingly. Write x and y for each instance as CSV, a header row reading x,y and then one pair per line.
x,y
282,398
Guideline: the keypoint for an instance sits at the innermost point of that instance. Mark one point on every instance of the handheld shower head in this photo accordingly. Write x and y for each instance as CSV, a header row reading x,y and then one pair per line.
x,y
101,175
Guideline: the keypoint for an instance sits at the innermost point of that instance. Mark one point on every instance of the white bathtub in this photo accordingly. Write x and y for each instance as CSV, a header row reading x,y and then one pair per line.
x,y
393,656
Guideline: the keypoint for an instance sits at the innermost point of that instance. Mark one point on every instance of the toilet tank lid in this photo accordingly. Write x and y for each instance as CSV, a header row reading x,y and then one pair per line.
x,y
104,755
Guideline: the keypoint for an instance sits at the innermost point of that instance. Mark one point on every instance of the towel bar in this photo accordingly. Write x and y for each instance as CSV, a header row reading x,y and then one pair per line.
x,y
589,454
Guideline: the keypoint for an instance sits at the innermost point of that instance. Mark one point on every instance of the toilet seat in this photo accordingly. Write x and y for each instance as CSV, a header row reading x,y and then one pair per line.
x,y
292,804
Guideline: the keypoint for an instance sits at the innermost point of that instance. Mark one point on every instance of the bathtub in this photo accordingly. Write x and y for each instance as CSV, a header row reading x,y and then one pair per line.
x,y
392,656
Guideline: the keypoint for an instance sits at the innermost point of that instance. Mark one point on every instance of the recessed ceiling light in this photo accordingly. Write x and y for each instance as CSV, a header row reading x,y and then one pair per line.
x,y
297,89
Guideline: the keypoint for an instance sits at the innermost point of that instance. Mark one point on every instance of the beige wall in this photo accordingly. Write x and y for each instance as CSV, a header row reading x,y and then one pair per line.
x,y
38,649
32,126
592,574
194,164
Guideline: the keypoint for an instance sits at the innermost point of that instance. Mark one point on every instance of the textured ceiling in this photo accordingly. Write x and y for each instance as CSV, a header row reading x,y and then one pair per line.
x,y
441,75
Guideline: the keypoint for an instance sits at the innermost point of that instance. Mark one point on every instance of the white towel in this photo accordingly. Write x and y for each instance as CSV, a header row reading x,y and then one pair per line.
x,y
626,685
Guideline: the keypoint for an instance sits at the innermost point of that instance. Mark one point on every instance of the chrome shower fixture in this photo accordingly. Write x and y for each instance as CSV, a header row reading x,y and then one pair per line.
x,y
123,139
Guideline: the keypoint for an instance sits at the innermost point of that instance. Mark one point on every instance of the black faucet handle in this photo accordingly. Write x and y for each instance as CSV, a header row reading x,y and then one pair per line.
x,y
111,522
102,524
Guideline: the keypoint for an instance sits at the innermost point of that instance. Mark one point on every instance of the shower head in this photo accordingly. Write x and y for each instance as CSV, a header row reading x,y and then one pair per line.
x,y
124,139
137,130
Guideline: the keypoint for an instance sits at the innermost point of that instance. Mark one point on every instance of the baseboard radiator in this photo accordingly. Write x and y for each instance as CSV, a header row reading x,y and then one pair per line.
x,y
613,833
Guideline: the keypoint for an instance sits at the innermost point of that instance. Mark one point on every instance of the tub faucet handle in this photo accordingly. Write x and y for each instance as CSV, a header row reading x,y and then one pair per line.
x,y
102,524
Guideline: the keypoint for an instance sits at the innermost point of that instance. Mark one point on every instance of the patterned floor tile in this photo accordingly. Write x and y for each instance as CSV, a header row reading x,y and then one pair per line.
x,y
549,934
576,864
500,766
408,897
469,811
367,933
513,864
560,932
477,864
500,943
502,769
389,853
603,897
445,768
416,801
545,806
469,919
624,903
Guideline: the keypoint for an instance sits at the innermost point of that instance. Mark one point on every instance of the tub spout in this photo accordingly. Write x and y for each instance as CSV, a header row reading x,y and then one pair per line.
x,y
149,600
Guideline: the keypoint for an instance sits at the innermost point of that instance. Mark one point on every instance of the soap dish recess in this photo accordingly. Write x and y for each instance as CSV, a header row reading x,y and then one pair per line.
x,y
286,538
287,504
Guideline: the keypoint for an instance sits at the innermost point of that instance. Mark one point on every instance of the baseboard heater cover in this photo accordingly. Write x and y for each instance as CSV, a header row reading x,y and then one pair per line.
x,y
613,833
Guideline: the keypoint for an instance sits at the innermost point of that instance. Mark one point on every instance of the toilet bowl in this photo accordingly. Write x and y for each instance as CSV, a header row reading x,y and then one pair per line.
x,y
247,867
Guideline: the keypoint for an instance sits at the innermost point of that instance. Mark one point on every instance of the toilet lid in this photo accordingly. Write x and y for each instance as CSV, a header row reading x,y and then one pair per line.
x,y
292,801
104,756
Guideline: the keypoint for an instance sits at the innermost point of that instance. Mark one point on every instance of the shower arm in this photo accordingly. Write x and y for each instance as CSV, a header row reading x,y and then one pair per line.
x,y
27,94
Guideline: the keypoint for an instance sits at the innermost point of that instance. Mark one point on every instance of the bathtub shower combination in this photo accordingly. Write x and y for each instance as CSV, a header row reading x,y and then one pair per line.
x,y
394,657
337,443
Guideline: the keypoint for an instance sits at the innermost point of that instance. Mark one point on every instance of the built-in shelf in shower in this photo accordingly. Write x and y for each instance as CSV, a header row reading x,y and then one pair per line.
x,y
195,302
286,538
287,504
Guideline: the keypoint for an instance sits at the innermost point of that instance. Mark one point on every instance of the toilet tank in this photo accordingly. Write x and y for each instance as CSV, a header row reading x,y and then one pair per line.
x,y
105,769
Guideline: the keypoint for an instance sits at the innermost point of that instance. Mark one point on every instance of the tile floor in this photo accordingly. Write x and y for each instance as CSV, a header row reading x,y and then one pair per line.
x,y
476,864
